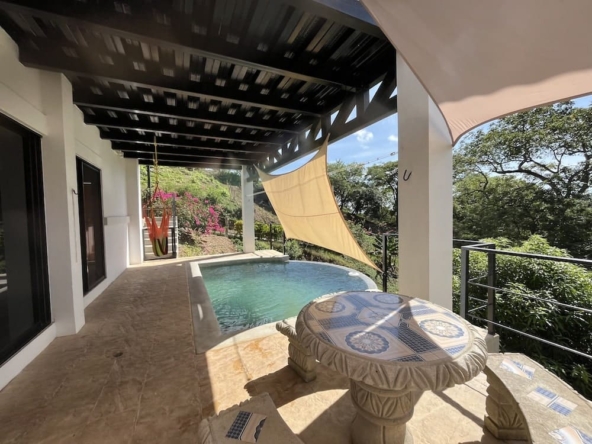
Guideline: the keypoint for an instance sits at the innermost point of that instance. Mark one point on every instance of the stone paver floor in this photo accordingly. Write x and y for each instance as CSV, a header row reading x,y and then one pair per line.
x,y
131,376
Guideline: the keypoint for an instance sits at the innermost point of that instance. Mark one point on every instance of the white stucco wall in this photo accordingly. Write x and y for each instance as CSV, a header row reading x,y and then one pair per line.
x,y
42,101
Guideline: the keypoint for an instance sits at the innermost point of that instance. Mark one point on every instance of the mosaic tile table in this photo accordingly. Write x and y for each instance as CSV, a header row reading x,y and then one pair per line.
x,y
393,348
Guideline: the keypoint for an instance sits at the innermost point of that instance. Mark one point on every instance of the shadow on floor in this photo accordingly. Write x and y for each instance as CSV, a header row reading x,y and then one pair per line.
x,y
466,413
285,386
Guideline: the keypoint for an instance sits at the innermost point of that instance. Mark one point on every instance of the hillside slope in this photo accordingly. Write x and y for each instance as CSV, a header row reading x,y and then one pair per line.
x,y
205,185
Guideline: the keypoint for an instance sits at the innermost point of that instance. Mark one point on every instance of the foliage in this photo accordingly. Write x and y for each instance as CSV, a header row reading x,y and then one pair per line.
x,y
347,180
385,179
364,238
196,214
263,231
551,281
190,250
504,206
228,177
293,249
238,227
199,183
536,144
529,173
370,193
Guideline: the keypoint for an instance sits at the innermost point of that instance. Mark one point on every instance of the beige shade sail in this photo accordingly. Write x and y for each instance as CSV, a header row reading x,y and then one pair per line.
x,y
305,205
481,60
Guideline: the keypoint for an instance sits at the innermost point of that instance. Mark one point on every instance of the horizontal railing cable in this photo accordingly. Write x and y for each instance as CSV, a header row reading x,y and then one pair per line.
x,y
568,260
536,298
536,338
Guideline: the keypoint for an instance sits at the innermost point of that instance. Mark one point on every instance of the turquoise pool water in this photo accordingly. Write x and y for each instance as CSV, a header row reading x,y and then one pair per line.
x,y
247,295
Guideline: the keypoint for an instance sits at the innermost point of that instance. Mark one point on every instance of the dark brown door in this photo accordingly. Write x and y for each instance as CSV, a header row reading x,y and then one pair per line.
x,y
92,242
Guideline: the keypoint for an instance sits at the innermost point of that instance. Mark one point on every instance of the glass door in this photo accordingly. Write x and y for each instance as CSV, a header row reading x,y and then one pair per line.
x,y
24,289
90,206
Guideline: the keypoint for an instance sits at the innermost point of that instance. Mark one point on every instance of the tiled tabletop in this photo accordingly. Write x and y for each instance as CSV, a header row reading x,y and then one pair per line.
x,y
388,327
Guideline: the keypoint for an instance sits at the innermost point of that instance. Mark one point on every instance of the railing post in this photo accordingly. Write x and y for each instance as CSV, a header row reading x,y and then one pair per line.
x,y
384,262
174,234
284,245
491,281
464,281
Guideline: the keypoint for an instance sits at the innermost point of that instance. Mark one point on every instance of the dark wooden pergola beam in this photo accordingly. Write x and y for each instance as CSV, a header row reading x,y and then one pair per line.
x,y
181,129
148,151
204,165
183,159
379,108
319,9
118,137
136,106
50,59
183,40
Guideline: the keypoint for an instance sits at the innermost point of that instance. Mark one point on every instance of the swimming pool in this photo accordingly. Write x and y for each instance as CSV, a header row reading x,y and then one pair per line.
x,y
250,294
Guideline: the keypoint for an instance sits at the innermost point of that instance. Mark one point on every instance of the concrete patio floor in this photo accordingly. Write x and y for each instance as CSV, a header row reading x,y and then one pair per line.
x,y
131,376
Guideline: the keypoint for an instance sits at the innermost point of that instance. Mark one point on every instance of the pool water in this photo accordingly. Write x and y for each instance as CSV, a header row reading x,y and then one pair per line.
x,y
247,295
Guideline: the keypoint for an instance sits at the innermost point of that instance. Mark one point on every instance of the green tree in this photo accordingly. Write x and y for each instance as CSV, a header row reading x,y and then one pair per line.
x,y
348,183
384,178
551,146
229,177
549,150
498,206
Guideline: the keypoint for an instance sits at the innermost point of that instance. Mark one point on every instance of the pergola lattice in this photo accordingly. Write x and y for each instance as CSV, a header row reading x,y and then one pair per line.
x,y
221,83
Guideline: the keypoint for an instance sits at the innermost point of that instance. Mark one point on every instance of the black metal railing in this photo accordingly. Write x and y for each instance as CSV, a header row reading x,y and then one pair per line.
x,y
489,283
386,257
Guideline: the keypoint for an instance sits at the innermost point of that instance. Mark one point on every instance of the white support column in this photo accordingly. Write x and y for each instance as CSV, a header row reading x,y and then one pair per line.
x,y
425,199
134,211
248,213
61,205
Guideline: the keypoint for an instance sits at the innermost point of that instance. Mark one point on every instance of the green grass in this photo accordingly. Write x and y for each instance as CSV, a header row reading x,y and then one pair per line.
x,y
188,250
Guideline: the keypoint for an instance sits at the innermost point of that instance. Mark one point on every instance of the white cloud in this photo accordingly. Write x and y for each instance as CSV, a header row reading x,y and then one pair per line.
x,y
364,136
393,138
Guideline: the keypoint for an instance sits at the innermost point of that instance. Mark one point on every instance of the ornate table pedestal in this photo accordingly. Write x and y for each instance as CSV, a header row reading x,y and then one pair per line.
x,y
381,415
392,348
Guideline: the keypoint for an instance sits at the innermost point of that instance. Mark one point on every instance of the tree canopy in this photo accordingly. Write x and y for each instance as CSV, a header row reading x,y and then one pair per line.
x,y
550,146
367,193
528,173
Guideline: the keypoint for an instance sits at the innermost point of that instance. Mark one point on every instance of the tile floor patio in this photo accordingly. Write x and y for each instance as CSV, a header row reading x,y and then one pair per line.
x,y
131,376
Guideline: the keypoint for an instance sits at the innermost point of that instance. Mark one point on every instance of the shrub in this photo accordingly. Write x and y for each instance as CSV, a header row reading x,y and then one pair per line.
x,y
196,214
238,226
261,230
293,249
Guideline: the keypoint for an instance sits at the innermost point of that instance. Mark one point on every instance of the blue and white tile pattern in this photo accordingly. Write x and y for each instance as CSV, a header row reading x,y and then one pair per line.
x,y
388,327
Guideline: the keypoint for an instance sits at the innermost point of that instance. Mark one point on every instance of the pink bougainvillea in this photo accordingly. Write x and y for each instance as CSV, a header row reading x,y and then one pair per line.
x,y
193,213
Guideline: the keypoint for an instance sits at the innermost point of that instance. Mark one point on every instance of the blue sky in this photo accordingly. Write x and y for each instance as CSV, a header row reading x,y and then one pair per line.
x,y
374,144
